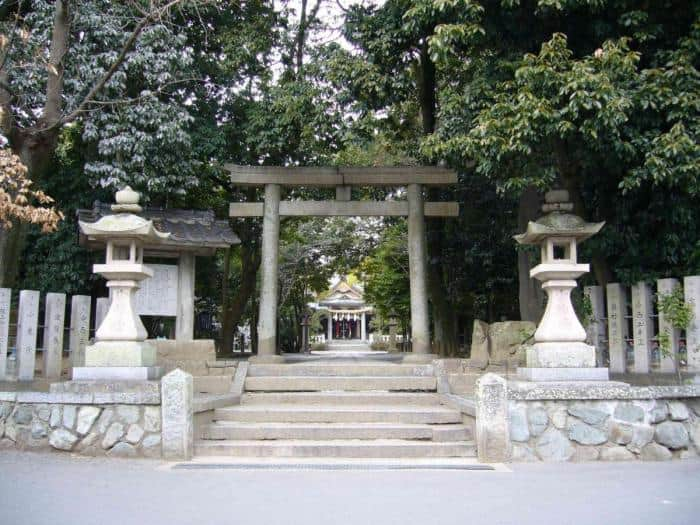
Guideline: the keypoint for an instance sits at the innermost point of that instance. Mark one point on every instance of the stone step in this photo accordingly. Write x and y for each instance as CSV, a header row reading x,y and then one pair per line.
x,y
318,384
330,369
342,414
380,448
340,398
235,430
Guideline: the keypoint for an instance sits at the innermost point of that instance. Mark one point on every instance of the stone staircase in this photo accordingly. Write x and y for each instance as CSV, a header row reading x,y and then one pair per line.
x,y
337,410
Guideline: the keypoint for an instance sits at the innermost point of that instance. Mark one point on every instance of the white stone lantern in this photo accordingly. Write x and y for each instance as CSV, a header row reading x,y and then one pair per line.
x,y
120,350
560,352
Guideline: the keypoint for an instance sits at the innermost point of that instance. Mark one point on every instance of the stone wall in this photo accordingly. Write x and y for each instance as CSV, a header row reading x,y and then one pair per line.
x,y
614,430
150,419
93,430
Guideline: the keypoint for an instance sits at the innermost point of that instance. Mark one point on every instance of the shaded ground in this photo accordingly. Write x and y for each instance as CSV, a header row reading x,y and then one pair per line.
x,y
59,489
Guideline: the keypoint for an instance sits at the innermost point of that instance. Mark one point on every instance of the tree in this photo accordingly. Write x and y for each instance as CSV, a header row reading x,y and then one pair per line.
x,y
110,67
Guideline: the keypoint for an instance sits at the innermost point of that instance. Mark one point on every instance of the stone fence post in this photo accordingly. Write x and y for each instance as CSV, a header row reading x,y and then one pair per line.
x,y
492,430
177,417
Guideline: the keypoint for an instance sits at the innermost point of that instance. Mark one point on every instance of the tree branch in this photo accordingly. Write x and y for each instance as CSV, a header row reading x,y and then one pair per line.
x,y
100,84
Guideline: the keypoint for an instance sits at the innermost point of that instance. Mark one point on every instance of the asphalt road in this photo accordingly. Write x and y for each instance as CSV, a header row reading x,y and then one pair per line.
x,y
60,489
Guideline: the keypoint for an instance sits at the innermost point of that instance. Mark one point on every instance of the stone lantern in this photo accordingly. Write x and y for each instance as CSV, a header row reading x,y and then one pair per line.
x,y
120,350
559,352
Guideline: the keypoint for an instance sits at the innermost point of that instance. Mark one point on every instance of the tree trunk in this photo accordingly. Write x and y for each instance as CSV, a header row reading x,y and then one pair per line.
x,y
530,293
444,317
571,180
250,260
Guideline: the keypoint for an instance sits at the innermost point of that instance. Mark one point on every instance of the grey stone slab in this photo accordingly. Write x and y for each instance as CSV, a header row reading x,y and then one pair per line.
x,y
492,430
177,416
668,361
79,328
596,330
5,301
617,327
691,291
643,332
27,320
54,319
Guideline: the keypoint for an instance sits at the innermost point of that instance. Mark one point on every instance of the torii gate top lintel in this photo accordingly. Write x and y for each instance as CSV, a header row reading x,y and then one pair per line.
x,y
341,176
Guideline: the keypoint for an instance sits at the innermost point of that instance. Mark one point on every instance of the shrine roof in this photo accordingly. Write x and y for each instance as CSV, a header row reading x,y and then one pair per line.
x,y
190,230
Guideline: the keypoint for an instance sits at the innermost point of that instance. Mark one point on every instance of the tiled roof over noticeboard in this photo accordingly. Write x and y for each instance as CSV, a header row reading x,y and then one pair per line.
x,y
187,228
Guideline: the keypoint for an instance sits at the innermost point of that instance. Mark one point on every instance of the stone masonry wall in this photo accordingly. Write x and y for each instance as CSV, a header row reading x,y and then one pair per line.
x,y
607,430
117,430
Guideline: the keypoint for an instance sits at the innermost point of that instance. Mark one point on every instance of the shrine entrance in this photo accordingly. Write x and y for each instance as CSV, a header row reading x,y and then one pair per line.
x,y
342,179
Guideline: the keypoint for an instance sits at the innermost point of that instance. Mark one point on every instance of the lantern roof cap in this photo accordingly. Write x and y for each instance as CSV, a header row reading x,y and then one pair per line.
x,y
123,224
558,221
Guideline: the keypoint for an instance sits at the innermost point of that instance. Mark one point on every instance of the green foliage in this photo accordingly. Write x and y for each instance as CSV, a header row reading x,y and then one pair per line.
x,y
386,275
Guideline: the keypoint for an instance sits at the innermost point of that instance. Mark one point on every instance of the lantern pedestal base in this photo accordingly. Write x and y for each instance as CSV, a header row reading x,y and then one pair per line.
x,y
563,374
120,354
560,355
117,373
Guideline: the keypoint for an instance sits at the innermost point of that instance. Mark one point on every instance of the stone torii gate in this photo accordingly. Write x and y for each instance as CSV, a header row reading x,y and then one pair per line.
x,y
273,178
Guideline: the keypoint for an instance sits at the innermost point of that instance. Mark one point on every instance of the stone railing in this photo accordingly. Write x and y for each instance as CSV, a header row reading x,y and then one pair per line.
x,y
623,328
146,419
522,421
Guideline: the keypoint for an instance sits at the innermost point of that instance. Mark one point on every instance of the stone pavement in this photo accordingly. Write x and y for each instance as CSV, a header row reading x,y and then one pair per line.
x,y
58,489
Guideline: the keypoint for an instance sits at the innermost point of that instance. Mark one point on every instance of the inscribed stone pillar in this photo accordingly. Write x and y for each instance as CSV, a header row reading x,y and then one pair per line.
x,y
5,301
691,290
492,434
330,327
101,309
643,327
668,362
617,327
420,330
363,326
79,328
267,322
177,425
596,328
54,320
27,320
184,322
